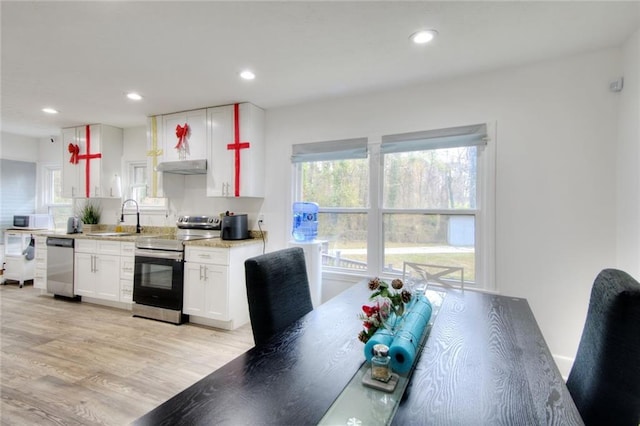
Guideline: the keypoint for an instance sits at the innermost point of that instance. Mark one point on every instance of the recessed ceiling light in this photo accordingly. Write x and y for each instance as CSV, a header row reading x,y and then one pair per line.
x,y
49,110
247,75
423,36
134,96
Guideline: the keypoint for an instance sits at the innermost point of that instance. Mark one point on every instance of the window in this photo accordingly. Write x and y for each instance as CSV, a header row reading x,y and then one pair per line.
x,y
137,188
57,206
416,197
335,175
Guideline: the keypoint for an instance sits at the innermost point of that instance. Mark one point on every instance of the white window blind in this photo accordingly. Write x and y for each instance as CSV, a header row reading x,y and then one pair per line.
x,y
330,150
451,137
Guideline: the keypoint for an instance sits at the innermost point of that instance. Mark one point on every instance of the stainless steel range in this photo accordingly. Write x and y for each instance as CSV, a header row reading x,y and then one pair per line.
x,y
158,280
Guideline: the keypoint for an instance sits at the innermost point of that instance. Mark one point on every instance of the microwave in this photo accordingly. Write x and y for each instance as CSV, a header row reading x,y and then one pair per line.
x,y
33,221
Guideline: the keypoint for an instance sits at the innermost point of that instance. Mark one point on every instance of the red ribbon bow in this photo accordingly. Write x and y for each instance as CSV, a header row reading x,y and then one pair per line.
x,y
74,150
181,133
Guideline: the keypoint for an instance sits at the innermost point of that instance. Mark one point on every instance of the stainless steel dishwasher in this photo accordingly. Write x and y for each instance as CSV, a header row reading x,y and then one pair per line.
x,y
60,266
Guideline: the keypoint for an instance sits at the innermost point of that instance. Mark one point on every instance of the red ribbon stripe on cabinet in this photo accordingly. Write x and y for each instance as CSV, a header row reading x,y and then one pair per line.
x,y
237,146
88,156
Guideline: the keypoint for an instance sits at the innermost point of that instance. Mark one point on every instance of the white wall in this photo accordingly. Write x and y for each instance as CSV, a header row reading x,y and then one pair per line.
x,y
17,147
556,170
628,195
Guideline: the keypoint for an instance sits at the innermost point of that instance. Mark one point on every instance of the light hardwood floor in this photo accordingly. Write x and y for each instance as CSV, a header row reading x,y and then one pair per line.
x,y
70,363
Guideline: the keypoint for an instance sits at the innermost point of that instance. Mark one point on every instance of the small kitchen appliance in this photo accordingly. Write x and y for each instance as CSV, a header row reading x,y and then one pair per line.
x,y
234,227
33,221
74,225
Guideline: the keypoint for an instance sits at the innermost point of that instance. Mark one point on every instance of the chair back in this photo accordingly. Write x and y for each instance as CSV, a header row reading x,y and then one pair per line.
x,y
277,291
604,380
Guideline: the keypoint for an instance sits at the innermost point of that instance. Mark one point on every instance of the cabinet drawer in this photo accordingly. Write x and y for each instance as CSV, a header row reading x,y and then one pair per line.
x,y
85,246
108,247
41,256
128,249
207,255
126,291
127,268
40,273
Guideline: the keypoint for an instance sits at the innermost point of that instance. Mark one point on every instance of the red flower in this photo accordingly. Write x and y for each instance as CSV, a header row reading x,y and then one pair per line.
x,y
370,310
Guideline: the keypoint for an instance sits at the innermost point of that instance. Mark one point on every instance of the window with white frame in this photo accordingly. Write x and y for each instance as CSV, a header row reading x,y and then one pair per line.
x,y
57,206
138,188
418,197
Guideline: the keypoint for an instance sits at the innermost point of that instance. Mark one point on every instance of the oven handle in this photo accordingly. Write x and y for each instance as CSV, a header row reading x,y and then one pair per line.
x,y
160,254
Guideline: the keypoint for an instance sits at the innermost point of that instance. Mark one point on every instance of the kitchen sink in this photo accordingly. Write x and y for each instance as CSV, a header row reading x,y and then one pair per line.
x,y
110,234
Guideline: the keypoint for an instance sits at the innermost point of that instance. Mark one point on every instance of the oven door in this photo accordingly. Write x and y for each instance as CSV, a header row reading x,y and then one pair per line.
x,y
158,279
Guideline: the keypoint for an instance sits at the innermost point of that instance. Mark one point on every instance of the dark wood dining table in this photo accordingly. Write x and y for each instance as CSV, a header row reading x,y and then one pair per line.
x,y
485,362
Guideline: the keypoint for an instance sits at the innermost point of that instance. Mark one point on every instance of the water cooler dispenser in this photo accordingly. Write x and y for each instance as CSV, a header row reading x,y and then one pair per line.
x,y
313,260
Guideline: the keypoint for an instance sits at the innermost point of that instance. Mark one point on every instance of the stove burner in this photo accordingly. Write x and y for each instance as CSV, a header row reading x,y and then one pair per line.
x,y
190,228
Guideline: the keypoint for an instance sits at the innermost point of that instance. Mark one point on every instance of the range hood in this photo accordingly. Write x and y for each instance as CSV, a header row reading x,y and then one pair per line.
x,y
184,167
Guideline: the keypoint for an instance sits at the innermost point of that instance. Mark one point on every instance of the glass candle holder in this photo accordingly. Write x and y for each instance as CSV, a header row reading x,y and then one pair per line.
x,y
380,363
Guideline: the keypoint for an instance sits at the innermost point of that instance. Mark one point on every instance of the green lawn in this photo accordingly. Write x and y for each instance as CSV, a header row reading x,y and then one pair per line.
x,y
464,260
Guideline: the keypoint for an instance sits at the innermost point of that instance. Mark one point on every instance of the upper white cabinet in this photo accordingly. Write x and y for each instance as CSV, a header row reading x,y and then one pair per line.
x,y
193,143
236,151
91,160
230,138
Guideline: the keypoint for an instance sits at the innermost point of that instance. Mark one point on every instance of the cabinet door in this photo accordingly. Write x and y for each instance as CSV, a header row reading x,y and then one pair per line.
x,y
70,177
40,273
155,154
107,272
99,177
92,147
223,167
196,141
194,289
252,159
220,159
216,292
83,275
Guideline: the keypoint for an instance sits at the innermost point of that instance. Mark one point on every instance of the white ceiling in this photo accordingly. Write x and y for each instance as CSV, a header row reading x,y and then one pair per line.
x,y
81,57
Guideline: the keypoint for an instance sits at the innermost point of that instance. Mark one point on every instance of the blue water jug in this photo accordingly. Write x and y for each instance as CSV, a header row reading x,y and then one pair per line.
x,y
305,221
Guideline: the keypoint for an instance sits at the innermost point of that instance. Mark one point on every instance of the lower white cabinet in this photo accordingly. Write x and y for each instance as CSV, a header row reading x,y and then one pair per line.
x,y
214,284
97,269
127,268
40,272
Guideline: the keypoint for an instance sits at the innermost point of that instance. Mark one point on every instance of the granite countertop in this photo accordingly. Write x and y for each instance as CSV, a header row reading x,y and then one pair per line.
x,y
255,237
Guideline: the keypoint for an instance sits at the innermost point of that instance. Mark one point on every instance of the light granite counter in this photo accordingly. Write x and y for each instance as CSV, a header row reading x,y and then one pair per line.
x,y
255,237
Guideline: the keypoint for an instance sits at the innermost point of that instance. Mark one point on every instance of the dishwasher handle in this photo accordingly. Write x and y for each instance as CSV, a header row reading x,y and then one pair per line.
x,y
60,242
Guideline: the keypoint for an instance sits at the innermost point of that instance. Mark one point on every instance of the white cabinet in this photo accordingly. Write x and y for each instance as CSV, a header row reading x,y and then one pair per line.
x,y
236,153
97,269
127,268
91,160
40,273
195,142
214,284
16,265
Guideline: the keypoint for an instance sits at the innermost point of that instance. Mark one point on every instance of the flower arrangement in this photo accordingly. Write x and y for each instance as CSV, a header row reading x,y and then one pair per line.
x,y
389,306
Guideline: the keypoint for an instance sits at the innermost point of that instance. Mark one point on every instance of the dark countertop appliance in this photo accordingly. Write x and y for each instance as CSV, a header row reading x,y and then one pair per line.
x,y
234,227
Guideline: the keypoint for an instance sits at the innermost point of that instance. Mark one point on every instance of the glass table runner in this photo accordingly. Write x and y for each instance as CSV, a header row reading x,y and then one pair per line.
x,y
359,405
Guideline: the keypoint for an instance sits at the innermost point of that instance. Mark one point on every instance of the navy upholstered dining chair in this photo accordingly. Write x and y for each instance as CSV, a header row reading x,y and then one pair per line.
x,y
604,380
277,291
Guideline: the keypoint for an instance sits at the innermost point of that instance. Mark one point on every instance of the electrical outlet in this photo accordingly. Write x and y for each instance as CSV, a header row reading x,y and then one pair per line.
x,y
261,219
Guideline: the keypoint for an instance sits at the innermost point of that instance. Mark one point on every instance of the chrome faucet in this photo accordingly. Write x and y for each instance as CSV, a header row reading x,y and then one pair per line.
x,y
138,229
